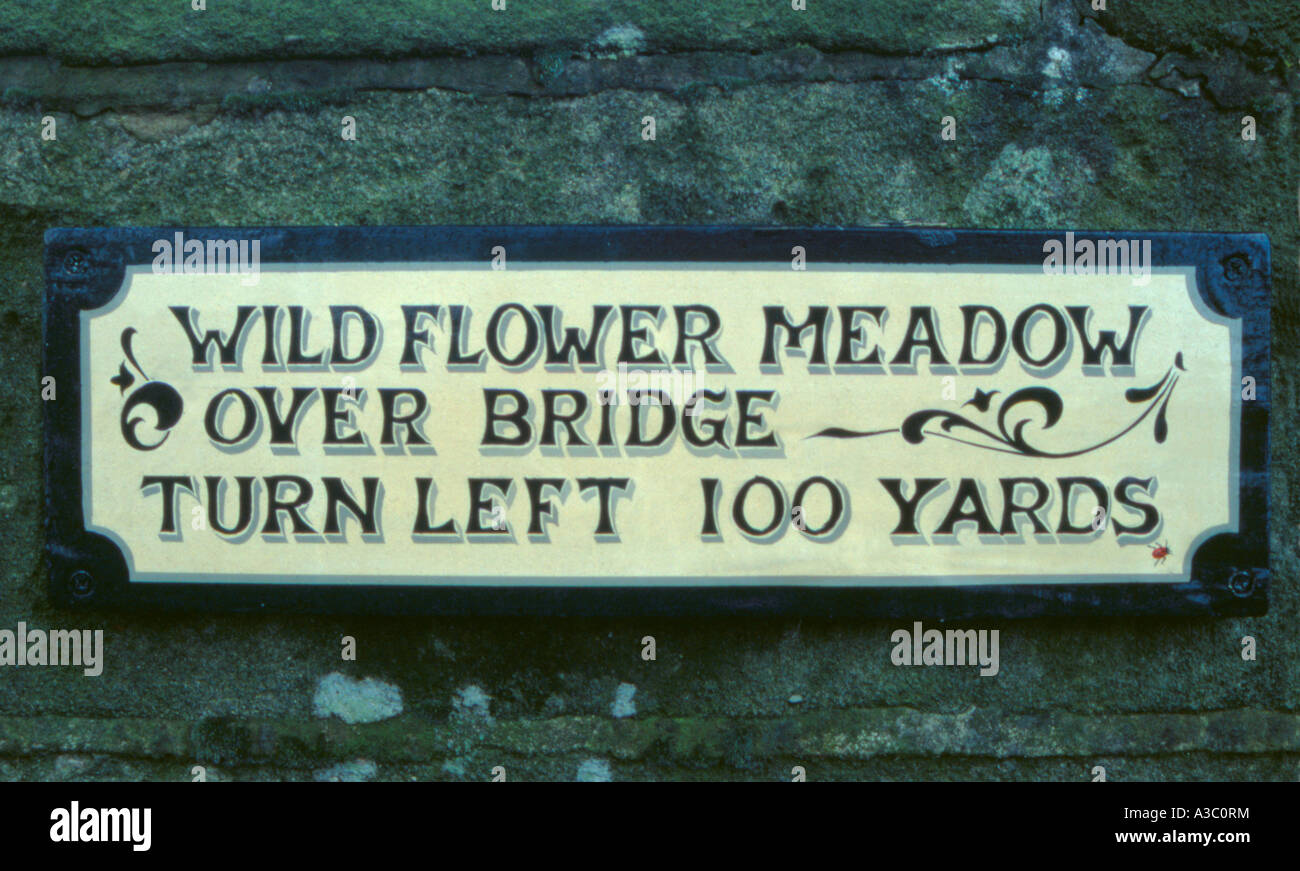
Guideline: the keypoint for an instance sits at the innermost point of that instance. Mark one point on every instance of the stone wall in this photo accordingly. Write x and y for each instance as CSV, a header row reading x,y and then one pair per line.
x,y
1124,119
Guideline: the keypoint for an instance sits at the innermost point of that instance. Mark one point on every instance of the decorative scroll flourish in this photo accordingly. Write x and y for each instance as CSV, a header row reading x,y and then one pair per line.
x,y
1009,437
161,397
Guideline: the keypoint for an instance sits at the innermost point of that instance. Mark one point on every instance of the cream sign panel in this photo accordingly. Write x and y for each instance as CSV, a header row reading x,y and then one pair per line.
x,y
638,424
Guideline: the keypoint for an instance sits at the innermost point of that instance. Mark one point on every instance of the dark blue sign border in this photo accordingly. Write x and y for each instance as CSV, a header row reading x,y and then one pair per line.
x,y
85,268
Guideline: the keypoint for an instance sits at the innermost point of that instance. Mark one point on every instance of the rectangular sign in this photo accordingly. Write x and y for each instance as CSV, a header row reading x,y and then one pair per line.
x,y
903,422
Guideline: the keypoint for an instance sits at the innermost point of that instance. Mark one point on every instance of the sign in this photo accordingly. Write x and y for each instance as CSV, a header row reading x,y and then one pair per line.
x,y
915,423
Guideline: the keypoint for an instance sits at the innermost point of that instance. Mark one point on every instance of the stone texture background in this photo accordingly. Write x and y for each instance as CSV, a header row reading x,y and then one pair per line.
x,y
1123,119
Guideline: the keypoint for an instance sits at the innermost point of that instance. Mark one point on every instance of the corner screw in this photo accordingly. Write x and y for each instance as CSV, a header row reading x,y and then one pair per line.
x,y
83,584
1241,583
75,262
1236,267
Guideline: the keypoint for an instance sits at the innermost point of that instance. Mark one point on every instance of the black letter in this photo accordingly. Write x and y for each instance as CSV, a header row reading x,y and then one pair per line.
x,y
1122,355
518,417
169,484
210,419
776,318
370,330
539,505
778,506
388,397
630,336
559,356
1150,516
837,505
411,313
338,494
1010,509
333,416
711,330
494,340
605,526
282,431
743,399
641,400
551,417
716,428
1020,337
850,332
478,503
1067,487
275,504
967,491
214,504
200,347
422,527
921,316
970,316
907,507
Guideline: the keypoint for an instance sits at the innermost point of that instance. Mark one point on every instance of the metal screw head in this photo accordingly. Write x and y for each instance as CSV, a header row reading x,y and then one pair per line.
x,y
76,262
83,583
1236,267
1241,583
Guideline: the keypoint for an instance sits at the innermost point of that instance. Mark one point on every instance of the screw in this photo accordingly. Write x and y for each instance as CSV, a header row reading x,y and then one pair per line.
x,y
1236,267
83,583
1241,583
75,262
